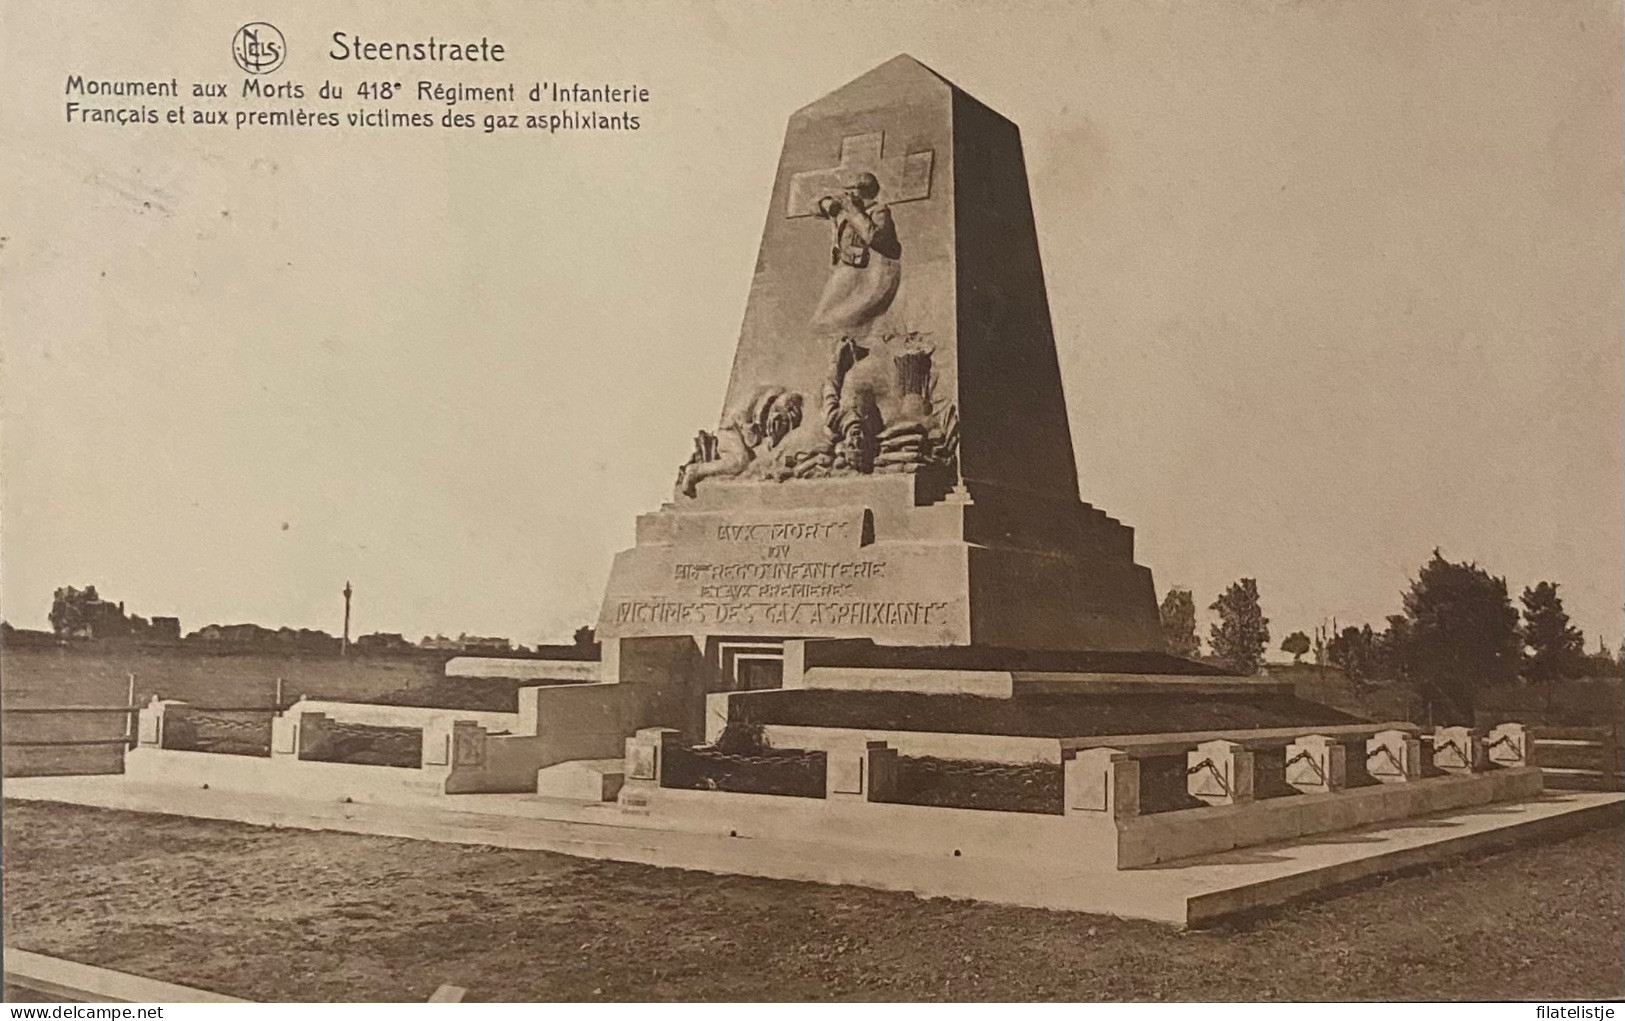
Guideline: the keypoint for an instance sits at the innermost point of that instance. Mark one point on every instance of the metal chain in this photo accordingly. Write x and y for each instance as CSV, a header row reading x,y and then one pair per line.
x,y
1207,764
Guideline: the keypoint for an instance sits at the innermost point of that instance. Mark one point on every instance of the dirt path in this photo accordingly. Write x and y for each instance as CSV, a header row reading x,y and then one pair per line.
x,y
297,915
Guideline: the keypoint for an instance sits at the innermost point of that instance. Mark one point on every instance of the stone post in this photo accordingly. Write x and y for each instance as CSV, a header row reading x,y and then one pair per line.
x,y
795,663
312,729
284,736
1316,764
467,745
1458,750
285,731
1393,756
1102,781
865,771
150,724
1508,746
645,764
882,762
466,772
530,712
1220,773
437,744
716,715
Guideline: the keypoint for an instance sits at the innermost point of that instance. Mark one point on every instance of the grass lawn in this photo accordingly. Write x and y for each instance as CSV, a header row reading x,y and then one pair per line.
x,y
296,915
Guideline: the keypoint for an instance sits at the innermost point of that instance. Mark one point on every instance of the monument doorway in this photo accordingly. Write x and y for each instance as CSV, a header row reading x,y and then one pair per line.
x,y
752,666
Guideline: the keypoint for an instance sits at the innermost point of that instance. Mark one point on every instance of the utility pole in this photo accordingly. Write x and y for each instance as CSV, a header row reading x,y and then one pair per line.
x,y
344,650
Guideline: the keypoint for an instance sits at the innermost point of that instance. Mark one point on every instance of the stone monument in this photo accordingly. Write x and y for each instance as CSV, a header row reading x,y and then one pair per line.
x,y
893,461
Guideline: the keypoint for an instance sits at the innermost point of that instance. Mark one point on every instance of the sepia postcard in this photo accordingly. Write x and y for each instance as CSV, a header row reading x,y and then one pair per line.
x,y
614,501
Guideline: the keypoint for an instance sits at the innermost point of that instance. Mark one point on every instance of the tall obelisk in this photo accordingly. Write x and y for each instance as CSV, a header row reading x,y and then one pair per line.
x,y
893,459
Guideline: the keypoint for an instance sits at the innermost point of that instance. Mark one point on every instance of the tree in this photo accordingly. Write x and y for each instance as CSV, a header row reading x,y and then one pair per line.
x,y
1178,612
1354,650
1459,632
1243,632
585,635
1321,648
1297,643
68,609
1600,663
82,613
1556,649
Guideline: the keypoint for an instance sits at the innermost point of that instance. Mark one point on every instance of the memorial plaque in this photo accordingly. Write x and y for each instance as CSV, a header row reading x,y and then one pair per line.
x,y
467,745
777,573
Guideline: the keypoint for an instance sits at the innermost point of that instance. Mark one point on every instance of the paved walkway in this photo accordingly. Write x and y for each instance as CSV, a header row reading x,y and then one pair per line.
x,y
1185,892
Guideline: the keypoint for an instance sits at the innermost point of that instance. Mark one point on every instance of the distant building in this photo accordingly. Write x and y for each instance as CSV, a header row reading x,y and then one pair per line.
x,y
237,634
466,643
382,641
165,629
477,643
254,636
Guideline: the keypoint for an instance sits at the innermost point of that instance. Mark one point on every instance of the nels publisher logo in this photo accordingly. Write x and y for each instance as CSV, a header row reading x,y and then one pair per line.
x,y
258,48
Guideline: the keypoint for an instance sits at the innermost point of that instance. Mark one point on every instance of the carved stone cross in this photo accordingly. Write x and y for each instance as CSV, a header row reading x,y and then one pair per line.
x,y
902,178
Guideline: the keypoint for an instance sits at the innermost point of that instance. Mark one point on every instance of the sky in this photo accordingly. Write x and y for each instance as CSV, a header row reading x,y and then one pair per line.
x,y
1333,284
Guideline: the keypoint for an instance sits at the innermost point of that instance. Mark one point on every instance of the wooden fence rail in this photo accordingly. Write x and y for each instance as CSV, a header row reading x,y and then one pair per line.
x,y
128,740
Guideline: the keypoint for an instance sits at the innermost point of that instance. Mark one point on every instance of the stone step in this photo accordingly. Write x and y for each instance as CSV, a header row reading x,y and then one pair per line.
x,y
588,780
1194,891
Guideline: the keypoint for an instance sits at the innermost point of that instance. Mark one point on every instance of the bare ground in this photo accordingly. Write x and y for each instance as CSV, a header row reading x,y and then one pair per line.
x,y
297,915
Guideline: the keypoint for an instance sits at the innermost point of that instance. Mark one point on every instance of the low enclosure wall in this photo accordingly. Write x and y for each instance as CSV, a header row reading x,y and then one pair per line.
x,y
463,751
1581,758
1217,794
438,747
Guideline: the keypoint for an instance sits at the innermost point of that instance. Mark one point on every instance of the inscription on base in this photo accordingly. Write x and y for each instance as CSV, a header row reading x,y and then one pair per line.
x,y
787,572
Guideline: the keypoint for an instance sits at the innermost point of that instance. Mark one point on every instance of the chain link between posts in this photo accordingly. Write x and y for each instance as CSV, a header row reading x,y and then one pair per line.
x,y
1207,764
1306,756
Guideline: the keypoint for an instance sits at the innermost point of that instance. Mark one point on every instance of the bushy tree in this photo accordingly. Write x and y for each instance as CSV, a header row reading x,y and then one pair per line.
x,y
68,608
1459,632
1297,643
1243,632
1356,652
1178,612
1601,663
1556,648
83,612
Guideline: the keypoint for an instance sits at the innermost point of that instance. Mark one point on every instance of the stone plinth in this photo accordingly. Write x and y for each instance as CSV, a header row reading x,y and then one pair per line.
x,y
1104,781
1220,772
870,557
1393,756
1507,745
1316,764
865,771
1458,750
